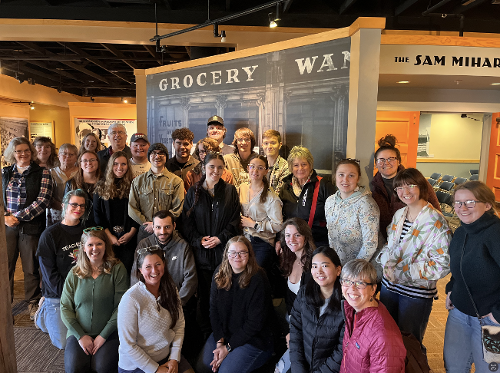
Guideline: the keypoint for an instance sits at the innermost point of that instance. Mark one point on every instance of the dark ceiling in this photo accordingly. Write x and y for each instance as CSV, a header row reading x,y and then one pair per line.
x,y
93,69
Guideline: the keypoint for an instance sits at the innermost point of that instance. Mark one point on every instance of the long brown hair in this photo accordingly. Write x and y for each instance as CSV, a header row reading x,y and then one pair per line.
x,y
223,278
169,295
53,160
287,257
83,268
107,188
263,196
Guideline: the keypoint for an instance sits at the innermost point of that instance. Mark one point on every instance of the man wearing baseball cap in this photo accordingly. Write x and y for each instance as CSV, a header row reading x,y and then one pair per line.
x,y
139,145
156,190
217,131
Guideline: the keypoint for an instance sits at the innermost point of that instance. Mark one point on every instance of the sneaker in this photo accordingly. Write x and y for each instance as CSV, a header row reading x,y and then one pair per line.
x,y
32,308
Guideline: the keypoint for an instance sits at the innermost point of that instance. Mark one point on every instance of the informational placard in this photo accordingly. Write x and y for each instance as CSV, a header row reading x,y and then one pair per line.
x,y
301,92
45,129
84,126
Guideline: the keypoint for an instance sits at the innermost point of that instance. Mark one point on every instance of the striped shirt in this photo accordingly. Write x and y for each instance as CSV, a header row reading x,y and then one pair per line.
x,y
406,228
409,291
15,194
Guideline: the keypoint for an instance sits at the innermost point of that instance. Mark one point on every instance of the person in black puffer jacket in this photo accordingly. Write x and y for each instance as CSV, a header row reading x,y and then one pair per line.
x,y
316,323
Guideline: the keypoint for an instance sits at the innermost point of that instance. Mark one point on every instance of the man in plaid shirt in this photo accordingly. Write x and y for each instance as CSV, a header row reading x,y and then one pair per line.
x,y
27,190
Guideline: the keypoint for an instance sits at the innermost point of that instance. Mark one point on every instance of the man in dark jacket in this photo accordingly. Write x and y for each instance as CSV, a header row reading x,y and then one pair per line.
x,y
117,135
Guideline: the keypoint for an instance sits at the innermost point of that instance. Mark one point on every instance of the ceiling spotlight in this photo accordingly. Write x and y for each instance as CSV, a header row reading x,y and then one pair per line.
x,y
272,21
403,82
223,36
32,107
92,99
125,101
496,83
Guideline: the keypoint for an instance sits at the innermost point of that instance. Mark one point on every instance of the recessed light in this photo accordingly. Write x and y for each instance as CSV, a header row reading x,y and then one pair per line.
x,y
403,82
496,83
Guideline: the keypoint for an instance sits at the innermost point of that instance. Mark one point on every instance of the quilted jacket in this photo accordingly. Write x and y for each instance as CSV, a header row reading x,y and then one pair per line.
x,y
315,342
372,341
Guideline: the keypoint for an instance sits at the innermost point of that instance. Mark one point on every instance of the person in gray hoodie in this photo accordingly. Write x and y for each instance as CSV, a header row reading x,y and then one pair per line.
x,y
178,254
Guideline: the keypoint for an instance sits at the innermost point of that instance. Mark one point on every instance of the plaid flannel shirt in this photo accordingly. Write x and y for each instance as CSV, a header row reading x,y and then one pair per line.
x,y
277,173
16,195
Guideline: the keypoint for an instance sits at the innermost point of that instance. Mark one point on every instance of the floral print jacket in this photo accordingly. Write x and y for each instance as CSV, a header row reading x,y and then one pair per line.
x,y
422,257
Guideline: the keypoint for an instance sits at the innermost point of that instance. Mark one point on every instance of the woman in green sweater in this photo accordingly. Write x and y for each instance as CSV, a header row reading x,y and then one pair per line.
x,y
89,304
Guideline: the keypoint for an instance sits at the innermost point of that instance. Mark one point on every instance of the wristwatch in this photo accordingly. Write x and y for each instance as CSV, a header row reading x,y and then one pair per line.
x,y
228,347
256,225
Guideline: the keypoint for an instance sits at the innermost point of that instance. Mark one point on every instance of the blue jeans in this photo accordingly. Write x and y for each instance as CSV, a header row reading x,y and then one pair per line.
x,y
49,321
283,365
462,343
105,359
411,314
264,253
242,359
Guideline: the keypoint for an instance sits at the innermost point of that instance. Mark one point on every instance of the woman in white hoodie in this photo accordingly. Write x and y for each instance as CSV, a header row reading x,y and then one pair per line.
x,y
352,215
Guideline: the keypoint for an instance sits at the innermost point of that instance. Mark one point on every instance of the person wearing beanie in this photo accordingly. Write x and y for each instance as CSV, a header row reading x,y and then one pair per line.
x,y
156,190
217,131
139,145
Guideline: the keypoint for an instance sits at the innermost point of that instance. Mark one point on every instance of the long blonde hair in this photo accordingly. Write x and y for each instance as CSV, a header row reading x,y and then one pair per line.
x,y
83,268
107,188
223,278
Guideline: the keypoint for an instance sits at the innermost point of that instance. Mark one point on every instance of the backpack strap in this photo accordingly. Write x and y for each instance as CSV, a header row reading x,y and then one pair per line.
x,y
314,202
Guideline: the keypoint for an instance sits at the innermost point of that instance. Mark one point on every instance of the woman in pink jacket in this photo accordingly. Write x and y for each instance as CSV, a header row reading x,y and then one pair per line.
x,y
372,340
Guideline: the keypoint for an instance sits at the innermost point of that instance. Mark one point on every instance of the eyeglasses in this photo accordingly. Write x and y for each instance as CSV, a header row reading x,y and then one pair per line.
x,y
89,160
75,205
243,139
240,254
113,133
22,151
254,167
357,284
405,187
470,204
87,230
158,154
382,161
149,249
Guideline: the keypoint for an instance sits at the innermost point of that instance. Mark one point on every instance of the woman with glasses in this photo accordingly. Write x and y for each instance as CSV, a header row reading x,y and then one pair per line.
x,y
46,152
472,294
352,215
388,163
415,256
66,170
240,311
27,190
203,147
86,179
304,194
210,217
372,340
237,163
89,305
150,319
261,215
90,142
57,251
111,208
316,322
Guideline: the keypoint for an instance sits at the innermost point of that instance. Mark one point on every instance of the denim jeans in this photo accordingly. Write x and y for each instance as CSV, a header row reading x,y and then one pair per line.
x,y
242,359
264,253
411,314
283,365
49,321
105,359
462,343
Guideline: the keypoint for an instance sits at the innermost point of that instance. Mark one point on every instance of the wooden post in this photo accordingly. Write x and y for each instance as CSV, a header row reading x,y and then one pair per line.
x,y
7,347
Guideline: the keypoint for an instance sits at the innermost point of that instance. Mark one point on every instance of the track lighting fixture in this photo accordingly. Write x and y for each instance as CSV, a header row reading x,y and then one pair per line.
x,y
222,34
272,22
92,99
32,107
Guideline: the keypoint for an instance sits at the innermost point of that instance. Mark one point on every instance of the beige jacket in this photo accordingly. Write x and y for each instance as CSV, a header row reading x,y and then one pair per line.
x,y
151,193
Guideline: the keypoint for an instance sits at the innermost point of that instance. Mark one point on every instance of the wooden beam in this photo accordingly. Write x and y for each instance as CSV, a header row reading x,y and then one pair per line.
x,y
96,61
118,53
465,8
346,5
152,51
55,71
7,350
405,5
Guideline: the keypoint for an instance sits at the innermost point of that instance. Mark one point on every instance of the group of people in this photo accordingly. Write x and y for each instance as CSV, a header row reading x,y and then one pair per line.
x,y
140,255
